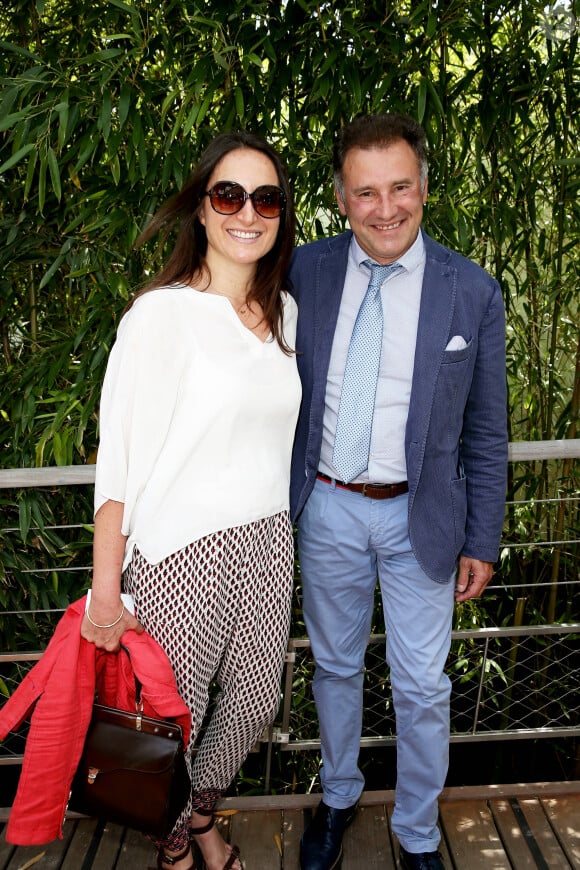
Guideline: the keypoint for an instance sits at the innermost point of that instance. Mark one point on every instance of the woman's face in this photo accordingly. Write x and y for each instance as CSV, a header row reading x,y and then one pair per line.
x,y
244,237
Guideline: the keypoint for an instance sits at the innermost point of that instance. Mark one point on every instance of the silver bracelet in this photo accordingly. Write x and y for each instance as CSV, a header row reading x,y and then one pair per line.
x,y
111,624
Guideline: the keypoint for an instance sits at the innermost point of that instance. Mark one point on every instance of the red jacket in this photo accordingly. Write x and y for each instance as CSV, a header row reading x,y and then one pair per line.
x,y
62,687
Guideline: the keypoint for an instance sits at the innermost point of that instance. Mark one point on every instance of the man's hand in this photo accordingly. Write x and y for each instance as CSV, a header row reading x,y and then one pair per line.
x,y
472,578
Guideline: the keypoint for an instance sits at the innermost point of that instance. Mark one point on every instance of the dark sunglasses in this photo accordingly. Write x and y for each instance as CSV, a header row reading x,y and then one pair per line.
x,y
228,197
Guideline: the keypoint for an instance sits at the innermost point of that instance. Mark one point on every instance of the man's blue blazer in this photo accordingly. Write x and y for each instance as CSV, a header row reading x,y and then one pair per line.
x,y
456,435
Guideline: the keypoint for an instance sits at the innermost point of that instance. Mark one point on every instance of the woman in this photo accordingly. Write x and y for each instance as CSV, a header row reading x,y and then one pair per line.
x,y
198,412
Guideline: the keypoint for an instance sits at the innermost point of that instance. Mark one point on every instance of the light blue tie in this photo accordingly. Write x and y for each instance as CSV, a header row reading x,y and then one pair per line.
x,y
352,439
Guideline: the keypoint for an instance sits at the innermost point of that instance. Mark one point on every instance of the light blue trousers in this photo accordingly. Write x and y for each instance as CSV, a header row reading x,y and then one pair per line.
x,y
345,541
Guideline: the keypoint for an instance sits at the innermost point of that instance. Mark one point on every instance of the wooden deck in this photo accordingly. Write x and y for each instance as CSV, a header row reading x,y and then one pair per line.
x,y
512,827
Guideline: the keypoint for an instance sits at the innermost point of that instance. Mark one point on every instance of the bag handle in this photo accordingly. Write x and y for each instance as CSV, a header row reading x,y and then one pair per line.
x,y
138,685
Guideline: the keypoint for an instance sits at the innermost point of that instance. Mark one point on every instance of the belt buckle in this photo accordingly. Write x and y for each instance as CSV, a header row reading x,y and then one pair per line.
x,y
364,490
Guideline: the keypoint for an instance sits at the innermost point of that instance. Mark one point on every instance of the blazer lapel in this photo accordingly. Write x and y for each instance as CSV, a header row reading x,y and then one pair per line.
x,y
328,287
435,316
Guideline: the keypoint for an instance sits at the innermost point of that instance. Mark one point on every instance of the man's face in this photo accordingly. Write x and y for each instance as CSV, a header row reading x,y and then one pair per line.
x,y
383,200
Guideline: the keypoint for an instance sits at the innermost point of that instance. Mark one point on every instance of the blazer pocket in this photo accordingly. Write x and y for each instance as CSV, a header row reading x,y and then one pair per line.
x,y
456,356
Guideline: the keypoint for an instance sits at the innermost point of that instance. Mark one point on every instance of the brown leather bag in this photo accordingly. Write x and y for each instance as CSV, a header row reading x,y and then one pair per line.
x,y
132,770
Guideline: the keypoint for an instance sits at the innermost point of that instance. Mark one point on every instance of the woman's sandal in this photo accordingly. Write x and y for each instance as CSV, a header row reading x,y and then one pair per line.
x,y
163,858
194,832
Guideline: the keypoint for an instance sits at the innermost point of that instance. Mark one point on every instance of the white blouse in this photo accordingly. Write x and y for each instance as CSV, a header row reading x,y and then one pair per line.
x,y
197,420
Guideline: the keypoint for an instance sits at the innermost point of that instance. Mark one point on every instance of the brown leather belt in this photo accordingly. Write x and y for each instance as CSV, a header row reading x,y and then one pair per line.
x,y
370,490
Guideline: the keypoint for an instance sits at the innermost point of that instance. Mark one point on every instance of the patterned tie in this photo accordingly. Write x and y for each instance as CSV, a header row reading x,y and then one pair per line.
x,y
352,438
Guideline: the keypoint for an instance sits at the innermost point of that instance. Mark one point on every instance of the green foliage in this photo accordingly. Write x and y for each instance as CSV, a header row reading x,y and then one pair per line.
x,y
105,106
44,564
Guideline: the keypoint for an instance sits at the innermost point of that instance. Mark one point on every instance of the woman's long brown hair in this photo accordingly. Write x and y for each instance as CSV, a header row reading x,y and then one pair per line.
x,y
187,259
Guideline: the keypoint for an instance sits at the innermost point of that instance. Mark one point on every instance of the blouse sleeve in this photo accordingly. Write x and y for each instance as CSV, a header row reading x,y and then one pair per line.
x,y
137,402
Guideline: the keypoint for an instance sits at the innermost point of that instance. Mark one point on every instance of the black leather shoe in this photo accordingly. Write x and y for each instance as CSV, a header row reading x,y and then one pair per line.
x,y
321,843
420,860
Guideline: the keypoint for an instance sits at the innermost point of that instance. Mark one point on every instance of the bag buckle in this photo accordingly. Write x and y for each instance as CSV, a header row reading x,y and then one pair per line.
x,y
139,711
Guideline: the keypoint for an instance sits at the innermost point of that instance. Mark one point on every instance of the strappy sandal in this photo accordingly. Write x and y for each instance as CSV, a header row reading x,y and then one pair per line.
x,y
194,832
162,858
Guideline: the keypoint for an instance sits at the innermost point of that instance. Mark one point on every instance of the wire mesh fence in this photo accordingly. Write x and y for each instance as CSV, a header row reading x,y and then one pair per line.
x,y
506,684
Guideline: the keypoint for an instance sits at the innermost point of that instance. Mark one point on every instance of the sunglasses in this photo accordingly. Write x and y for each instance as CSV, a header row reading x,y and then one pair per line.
x,y
228,197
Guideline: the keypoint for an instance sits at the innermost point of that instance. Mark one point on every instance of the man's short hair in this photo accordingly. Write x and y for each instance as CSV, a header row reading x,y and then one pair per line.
x,y
379,131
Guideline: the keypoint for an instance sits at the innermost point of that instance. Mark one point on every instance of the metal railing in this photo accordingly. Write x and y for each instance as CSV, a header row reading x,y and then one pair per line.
x,y
507,683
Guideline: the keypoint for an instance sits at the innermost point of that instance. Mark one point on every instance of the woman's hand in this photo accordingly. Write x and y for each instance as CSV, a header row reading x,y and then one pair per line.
x,y
109,629
109,619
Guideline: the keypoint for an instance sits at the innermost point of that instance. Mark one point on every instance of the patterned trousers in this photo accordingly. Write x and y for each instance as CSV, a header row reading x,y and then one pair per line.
x,y
220,608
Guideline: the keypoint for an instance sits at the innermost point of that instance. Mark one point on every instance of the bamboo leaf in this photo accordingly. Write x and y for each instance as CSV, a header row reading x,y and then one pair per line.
x,y
17,157
125,102
421,100
54,173
130,10
435,97
24,516
51,271
18,49
30,174
239,100
42,183
115,166
63,115
105,116
191,119
7,101
204,107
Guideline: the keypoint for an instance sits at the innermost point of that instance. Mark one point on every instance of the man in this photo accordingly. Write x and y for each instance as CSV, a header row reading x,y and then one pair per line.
x,y
411,493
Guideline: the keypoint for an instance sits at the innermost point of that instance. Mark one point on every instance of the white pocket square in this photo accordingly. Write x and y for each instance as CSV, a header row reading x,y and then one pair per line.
x,y
456,343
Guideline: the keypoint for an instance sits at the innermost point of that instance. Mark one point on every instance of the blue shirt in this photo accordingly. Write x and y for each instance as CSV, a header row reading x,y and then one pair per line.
x,y
401,297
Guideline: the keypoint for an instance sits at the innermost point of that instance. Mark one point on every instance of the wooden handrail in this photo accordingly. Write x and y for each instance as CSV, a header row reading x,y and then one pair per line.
x,y
527,451
61,475
71,475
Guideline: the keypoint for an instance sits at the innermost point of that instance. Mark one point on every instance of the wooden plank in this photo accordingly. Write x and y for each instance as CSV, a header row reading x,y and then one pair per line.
x,y
33,859
79,847
367,842
6,849
109,846
258,836
379,797
292,828
271,839
374,798
443,848
512,835
517,789
49,856
136,852
543,833
472,836
271,802
564,814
